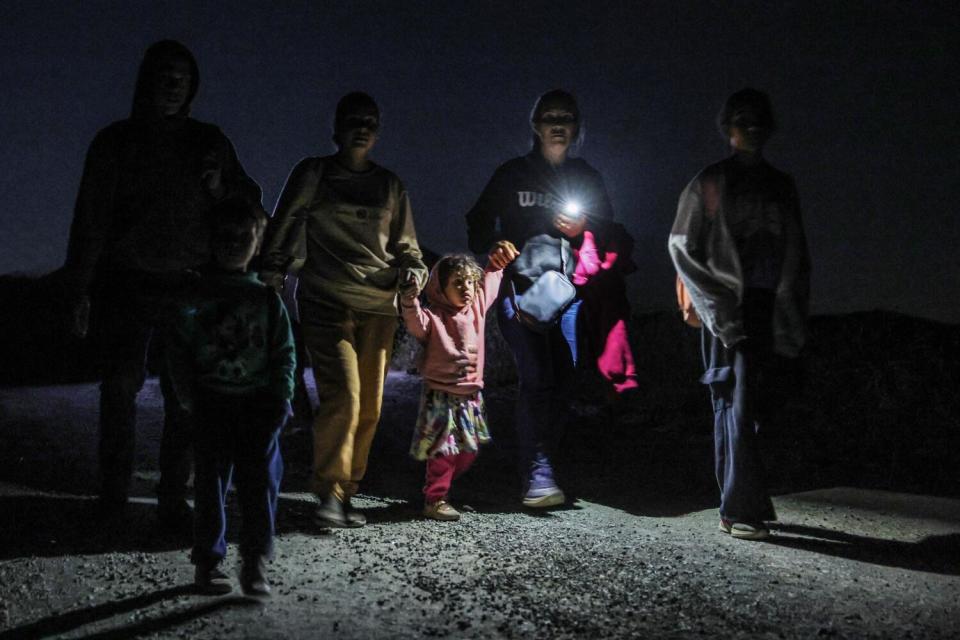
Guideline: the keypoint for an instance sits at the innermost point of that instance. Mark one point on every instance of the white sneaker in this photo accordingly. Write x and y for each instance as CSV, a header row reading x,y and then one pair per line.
x,y
744,531
537,500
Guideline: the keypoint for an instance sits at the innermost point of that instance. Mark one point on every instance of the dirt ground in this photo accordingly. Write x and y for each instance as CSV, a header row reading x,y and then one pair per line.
x,y
635,554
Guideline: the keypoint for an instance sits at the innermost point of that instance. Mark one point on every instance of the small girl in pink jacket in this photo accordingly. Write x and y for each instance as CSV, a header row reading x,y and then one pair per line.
x,y
452,423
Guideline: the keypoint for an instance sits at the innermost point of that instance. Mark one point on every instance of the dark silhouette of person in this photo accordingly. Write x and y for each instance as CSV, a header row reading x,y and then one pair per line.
x,y
739,247
140,226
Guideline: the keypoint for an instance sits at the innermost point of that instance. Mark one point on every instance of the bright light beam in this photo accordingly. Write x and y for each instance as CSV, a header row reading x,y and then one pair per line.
x,y
572,209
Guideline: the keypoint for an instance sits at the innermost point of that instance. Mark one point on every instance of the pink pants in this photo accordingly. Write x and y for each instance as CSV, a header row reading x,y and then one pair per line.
x,y
441,472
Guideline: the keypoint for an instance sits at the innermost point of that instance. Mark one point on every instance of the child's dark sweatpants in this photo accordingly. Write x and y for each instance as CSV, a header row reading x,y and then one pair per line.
x,y
734,376
236,433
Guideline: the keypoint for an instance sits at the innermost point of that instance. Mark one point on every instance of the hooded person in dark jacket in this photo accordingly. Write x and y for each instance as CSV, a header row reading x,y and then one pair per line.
x,y
140,227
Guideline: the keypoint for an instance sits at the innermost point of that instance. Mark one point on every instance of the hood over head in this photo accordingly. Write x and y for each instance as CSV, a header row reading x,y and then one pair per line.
x,y
434,290
143,99
450,264
750,104
557,99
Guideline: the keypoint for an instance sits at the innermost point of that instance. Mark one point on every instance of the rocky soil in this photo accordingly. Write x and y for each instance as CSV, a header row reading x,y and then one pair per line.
x,y
635,554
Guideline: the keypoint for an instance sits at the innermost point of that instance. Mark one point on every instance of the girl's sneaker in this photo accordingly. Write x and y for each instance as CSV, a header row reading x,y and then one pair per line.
x,y
440,510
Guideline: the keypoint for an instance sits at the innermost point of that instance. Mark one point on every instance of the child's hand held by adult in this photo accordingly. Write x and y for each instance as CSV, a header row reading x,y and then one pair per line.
x,y
273,280
410,293
409,289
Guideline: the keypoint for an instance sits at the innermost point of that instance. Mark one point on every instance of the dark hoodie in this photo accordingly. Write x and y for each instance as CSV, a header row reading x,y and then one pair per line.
x,y
143,204
519,204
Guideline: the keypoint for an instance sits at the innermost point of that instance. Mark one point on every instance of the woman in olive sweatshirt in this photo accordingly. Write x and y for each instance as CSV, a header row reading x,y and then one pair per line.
x,y
361,250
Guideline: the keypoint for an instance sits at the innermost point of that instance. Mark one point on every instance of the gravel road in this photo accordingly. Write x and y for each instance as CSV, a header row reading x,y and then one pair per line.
x,y
637,554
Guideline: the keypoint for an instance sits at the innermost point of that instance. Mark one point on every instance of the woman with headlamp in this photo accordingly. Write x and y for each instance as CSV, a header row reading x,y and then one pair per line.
x,y
541,203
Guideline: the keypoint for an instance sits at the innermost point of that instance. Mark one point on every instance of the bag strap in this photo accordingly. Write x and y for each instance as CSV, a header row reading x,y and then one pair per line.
x,y
563,261
296,239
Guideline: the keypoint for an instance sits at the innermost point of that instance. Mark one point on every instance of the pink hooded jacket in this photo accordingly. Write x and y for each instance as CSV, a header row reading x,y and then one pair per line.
x,y
452,338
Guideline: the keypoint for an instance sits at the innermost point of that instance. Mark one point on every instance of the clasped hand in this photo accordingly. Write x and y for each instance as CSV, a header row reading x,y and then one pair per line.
x,y
569,226
409,289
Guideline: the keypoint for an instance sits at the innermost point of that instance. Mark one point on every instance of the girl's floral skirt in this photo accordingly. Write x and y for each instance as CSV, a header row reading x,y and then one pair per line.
x,y
448,425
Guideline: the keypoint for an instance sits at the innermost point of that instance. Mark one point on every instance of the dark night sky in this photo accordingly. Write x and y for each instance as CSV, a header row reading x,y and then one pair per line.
x,y
866,95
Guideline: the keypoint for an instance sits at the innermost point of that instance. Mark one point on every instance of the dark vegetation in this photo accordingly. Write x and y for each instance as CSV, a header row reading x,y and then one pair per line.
x,y
36,347
872,404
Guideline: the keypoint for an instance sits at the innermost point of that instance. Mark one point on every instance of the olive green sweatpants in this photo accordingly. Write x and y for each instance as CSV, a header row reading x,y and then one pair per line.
x,y
350,352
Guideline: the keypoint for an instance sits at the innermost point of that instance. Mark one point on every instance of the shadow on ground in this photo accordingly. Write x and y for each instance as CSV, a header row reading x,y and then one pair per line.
x,y
49,526
933,554
65,622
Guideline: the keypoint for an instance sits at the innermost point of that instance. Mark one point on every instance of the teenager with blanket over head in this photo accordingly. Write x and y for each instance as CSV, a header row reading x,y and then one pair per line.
x,y
139,232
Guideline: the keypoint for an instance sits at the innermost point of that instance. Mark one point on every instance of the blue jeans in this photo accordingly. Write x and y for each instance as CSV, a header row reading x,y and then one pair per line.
x,y
242,433
734,376
545,364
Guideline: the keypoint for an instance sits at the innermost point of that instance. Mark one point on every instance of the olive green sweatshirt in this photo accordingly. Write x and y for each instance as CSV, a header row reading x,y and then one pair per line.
x,y
358,231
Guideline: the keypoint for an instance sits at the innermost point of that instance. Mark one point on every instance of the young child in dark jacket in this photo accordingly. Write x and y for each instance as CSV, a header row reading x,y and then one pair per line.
x,y
231,360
